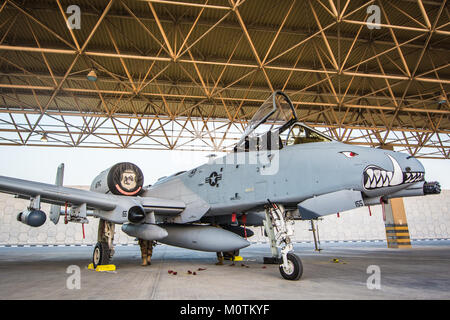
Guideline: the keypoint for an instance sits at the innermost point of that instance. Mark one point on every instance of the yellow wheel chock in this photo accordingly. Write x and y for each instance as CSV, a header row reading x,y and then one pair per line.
x,y
236,258
100,268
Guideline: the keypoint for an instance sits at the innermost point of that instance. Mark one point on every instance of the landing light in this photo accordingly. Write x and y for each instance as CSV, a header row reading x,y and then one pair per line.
x,y
442,99
92,75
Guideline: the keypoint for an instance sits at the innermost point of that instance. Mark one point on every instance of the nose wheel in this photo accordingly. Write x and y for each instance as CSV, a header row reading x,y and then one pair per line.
x,y
293,269
283,228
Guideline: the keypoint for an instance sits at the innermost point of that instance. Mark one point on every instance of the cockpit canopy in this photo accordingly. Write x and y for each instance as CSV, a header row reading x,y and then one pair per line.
x,y
275,125
300,133
274,113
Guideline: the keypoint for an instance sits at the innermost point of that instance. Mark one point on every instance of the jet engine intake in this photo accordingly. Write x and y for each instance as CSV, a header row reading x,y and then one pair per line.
x,y
124,179
32,218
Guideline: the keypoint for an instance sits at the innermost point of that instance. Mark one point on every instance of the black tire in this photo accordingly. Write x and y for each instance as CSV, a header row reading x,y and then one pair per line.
x,y
101,255
296,268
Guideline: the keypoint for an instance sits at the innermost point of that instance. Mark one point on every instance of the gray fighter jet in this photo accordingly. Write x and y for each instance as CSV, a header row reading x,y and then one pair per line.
x,y
280,171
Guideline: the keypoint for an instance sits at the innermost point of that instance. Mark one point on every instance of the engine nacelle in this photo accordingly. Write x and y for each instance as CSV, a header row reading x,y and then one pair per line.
x,y
32,218
125,179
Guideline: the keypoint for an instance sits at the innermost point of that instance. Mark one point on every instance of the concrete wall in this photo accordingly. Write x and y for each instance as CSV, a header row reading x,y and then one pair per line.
x,y
428,218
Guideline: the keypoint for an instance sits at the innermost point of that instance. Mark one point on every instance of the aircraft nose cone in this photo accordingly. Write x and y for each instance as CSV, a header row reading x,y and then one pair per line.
x,y
405,169
413,170
413,164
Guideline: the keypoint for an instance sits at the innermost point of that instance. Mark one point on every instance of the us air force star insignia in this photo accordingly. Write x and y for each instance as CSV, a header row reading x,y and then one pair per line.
x,y
213,179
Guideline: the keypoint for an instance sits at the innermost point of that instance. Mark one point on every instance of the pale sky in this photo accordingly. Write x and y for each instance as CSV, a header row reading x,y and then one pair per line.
x,y
83,164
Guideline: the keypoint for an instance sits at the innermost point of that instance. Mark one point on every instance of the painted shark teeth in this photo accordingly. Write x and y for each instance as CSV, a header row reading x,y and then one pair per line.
x,y
376,177
409,177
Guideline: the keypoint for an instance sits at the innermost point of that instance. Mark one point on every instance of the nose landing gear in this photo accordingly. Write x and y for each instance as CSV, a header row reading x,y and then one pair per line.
x,y
294,269
283,227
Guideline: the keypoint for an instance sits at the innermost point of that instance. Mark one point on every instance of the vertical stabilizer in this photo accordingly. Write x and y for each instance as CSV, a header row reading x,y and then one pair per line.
x,y
55,210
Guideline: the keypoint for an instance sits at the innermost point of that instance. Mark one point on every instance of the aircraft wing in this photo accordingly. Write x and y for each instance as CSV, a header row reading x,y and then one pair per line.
x,y
60,195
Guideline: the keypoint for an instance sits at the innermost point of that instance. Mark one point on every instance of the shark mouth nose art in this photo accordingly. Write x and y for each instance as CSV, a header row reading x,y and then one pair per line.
x,y
376,177
413,176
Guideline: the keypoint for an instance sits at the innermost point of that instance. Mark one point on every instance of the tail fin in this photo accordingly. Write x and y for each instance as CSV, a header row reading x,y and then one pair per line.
x,y
55,210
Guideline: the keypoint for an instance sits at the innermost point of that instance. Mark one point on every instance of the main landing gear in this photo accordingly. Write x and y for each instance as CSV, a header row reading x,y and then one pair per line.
x,y
104,249
280,228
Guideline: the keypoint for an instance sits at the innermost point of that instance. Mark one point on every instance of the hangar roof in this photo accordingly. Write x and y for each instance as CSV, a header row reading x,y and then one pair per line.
x,y
189,74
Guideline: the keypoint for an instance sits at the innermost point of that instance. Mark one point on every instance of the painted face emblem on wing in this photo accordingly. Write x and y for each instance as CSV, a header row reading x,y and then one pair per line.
x,y
213,179
128,180
376,177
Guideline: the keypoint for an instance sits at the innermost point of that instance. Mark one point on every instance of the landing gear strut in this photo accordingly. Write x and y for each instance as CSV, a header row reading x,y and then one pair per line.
x,y
104,249
282,224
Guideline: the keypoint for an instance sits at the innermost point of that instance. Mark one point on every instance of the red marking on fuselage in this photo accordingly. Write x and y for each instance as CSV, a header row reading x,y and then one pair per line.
x,y
127,193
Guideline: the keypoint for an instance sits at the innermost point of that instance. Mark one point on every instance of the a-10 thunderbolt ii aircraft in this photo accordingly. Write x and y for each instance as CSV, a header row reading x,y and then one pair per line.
x,y
280,171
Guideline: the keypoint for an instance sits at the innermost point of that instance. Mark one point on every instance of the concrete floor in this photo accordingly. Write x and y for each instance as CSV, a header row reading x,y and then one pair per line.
x,y
419,273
